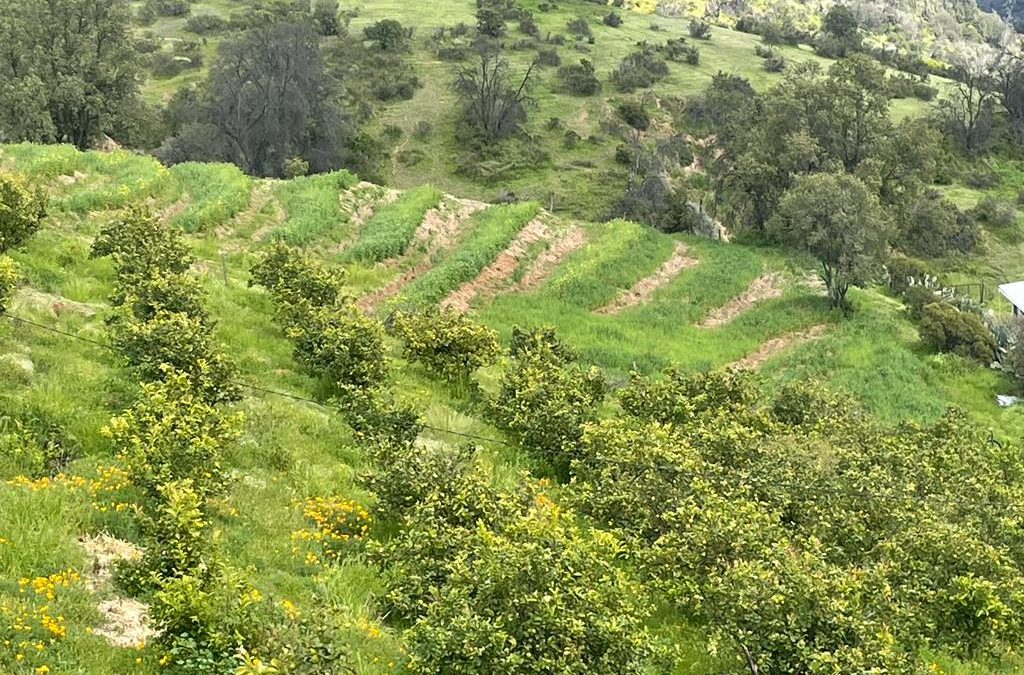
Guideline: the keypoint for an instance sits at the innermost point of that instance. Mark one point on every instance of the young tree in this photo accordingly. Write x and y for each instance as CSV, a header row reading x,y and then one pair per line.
x,y
68,69
1009,78
493,103
325,16
491,16
838,220
968,110
387,35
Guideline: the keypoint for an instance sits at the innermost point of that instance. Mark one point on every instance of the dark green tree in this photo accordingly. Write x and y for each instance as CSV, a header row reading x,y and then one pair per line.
x,y
69,71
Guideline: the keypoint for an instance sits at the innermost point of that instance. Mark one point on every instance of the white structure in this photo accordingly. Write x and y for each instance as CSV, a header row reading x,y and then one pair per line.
x,y
1015,294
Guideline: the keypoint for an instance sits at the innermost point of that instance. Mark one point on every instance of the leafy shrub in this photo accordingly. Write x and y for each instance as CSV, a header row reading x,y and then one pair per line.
x,y
206,24
527,26
612,19
446,342
175,344
549,58
1014,359
677,49
580,79
917,298
678,397
423,130
10,277
546,397
388,35
902,272
173,433
22,210
292,277
340,345
178,536
537,592
376,418
580,28
995,212
775,63
139,243
169,7
982,179
925,92
945,328
35,447
933,227
172,292
638,70
700,30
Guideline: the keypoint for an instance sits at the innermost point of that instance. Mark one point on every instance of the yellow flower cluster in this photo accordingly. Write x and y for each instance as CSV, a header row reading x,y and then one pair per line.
x,y
102,489
336,524
29,625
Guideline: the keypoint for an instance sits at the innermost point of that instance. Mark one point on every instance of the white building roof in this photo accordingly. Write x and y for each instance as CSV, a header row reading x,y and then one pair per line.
x,y
1014,293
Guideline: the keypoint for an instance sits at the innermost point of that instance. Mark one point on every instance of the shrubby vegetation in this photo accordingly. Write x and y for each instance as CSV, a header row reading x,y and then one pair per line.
x,y
445,342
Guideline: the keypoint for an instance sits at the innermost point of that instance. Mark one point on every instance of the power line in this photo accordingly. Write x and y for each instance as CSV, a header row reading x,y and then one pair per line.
x,y
238,383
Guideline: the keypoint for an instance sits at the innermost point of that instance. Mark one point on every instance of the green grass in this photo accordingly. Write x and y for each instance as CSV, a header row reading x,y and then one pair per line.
x,y
388,233
217,192
312,206
493,230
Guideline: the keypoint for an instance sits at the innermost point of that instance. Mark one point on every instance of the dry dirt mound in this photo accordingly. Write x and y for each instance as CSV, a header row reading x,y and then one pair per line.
x,y
550,259
645,288
765,287
494,277
776,346
125,621
440,230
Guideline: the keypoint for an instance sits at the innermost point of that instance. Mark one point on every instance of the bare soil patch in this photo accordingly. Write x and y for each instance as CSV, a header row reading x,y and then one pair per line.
x,y
441,229
765,287
494,277
642,291
175,209
125,621
776,346
550,259
258,198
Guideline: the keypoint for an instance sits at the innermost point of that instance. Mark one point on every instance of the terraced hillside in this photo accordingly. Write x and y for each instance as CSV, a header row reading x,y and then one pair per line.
x,y
628,297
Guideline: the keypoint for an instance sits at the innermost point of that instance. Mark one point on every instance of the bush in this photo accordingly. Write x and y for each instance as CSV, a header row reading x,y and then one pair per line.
x,y
700,30
22,210
387,35
538,592
924,92
423,130
292,277
173,433
527,26
982,179
677,49
549,58
10,277
775,64
995,212
339,345
917,298
903,272
171,344
580,28
581,79
139,243
612,19
174,8
944,328
638,70
546,397
447,343
206,24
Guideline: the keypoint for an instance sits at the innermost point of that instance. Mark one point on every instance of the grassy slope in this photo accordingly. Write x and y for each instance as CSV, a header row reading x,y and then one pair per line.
x,y
584,181
292,450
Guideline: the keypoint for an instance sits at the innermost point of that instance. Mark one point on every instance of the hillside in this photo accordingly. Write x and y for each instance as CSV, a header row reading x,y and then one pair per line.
x,y
627,296
582,180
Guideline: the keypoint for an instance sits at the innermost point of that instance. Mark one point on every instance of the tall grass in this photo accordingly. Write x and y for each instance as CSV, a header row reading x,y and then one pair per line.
x,y
312,205
217,192
388,233
494,229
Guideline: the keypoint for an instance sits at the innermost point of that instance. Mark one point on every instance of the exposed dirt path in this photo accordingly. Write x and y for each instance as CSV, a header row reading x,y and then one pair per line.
x,y
175,209
550,259
765,287
441,229
645,288
125,621
258,199
776,346
494,277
